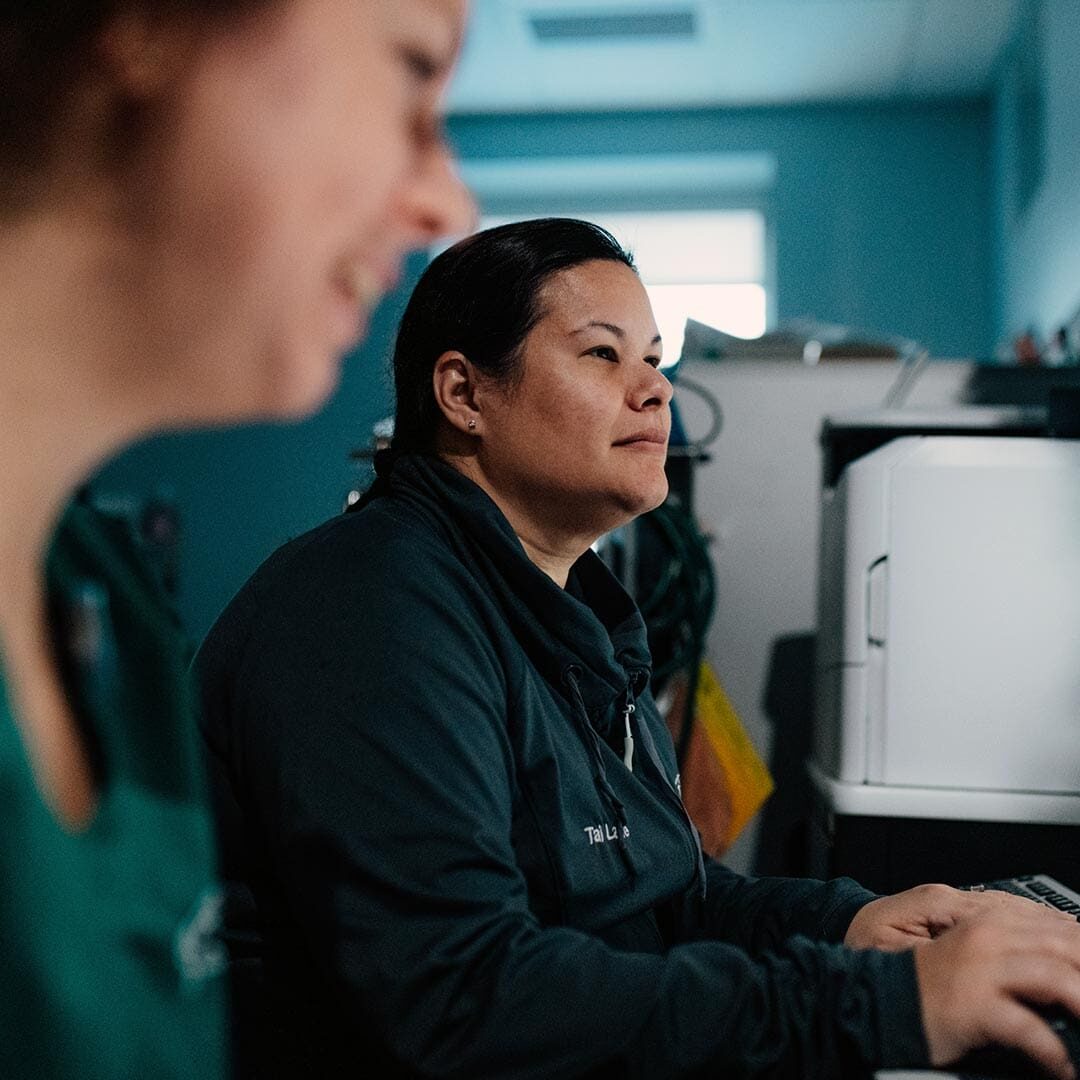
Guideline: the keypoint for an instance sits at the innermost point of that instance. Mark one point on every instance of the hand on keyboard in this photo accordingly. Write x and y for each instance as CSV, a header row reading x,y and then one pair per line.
x,y
978,980
1003,1063
912,917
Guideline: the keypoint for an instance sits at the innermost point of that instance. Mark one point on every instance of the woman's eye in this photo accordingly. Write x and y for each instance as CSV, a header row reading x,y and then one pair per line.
x,y
423,67
605,352
652,361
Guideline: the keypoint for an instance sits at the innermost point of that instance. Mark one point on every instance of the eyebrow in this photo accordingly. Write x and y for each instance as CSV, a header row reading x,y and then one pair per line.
x,y
618,331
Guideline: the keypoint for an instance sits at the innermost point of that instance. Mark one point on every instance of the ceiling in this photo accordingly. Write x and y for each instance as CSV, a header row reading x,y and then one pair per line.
x,y
565,55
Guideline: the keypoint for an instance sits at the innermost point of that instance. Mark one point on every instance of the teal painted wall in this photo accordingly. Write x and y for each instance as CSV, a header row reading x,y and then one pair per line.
x,y
1036,153
881,220
881,214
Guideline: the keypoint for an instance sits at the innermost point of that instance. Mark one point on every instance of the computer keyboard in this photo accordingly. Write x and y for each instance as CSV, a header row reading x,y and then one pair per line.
x,y
1000,1063
1038,887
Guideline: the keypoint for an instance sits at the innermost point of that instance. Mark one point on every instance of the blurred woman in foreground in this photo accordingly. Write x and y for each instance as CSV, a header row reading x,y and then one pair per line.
x,y
199,203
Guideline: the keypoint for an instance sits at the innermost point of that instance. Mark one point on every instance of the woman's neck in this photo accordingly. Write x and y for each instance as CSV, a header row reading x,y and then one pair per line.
x,y
64,346
550,544
555,563
61,345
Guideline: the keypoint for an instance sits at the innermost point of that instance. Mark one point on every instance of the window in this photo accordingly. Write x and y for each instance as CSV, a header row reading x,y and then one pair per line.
x,y
708,265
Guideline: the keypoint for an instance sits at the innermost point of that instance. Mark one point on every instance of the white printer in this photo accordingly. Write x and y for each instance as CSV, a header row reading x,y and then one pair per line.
x,y
948,649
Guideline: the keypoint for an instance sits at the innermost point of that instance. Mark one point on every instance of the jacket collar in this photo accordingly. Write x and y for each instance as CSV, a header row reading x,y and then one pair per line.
x,y
592,626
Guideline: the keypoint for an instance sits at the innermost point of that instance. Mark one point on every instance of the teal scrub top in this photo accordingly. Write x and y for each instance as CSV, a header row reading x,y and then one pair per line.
x,y
111,963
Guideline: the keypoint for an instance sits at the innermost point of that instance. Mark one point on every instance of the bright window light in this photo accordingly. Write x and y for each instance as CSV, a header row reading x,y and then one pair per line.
x,y
735,309
675,247
707,265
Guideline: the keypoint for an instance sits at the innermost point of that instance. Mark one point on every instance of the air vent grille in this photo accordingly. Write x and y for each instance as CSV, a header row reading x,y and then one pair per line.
x,y
614,25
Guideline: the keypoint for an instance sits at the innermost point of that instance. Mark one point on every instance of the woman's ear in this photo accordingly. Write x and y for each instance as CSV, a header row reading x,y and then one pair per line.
x,y
455,384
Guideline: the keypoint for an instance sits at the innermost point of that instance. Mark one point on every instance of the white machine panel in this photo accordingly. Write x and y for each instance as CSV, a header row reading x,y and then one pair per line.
x,y
949,633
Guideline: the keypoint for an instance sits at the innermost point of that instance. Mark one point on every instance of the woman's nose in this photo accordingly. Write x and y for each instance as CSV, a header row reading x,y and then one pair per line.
x,y
653,390
437,202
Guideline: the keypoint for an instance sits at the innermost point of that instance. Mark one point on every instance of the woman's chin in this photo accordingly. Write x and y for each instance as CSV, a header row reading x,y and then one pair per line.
x,y
641,500
299,386
654,496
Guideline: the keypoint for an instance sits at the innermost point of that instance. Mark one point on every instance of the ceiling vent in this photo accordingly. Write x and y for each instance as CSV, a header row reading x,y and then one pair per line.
x,y
614,26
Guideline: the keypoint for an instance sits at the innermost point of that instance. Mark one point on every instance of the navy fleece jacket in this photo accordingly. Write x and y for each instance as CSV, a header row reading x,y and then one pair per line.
x,y
441,865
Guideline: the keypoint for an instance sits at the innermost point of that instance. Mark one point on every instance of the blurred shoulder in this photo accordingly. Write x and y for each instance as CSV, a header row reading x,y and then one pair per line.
x,y
388,537
388,561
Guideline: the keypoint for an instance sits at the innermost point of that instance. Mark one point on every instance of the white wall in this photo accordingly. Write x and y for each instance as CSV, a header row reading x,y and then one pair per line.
x,y
758,498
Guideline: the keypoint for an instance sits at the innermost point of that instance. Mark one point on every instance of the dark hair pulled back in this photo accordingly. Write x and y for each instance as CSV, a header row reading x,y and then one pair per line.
x,y
481,297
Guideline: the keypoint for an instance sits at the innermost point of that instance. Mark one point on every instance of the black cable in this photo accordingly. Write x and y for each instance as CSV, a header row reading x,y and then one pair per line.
x,y
696,447
677,590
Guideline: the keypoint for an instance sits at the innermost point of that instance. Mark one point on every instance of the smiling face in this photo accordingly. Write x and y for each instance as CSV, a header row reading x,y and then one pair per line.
x,y
298,158
578,443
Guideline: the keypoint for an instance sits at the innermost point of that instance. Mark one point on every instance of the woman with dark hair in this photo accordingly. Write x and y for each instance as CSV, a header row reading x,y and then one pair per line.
x,y
450,809
200,200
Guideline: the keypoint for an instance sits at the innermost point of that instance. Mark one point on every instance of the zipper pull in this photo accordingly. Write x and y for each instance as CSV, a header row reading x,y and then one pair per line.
x,y
628,739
